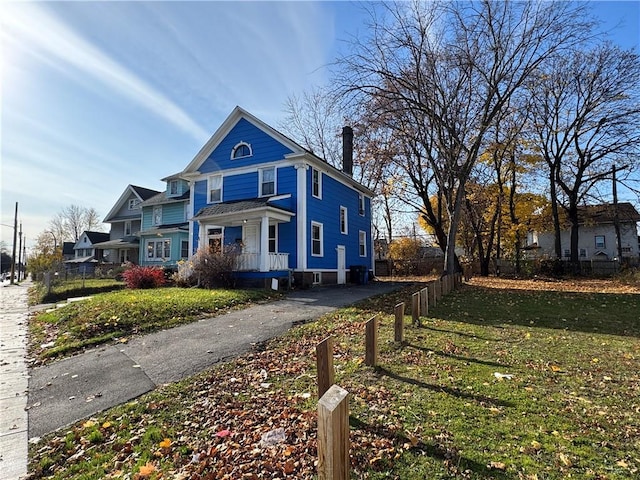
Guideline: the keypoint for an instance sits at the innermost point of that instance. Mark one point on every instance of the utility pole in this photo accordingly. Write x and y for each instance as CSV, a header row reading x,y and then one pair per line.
x,y
15,240
20,252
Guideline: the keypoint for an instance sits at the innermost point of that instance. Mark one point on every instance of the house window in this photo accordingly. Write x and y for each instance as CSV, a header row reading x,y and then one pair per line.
x,y
159,250
215,239
273,238
567,252
173,187
184,249
215,188
241,150
133,204
317,278
343,220
267,181
316,239
157,216
362,243
316,177
361,204
583,252
127,228
600,241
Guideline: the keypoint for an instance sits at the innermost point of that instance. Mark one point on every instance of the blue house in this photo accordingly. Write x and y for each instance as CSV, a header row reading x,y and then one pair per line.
x,y
287,210
164,231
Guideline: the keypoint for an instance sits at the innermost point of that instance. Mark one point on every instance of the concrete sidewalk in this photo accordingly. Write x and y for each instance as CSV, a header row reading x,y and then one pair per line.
x,y
80,386
13,381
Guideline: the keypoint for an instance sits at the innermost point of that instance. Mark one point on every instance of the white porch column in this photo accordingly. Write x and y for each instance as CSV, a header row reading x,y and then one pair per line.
x,y
301,215
264,244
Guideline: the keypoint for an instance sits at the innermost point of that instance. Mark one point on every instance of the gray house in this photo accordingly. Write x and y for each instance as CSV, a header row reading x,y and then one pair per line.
x,y
597,238
87,253
125,218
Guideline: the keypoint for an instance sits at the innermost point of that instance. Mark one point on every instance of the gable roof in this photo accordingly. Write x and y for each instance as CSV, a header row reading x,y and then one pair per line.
x,y
140,192
605,213
226,127
94,237
239,113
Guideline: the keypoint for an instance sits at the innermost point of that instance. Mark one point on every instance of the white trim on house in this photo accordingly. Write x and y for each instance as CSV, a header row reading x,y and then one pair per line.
x,y
301,219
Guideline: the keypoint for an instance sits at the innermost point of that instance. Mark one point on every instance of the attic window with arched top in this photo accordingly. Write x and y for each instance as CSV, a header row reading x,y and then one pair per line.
x,y
241,150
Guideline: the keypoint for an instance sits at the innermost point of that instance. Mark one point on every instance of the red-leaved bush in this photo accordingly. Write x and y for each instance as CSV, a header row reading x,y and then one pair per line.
x,y
143,277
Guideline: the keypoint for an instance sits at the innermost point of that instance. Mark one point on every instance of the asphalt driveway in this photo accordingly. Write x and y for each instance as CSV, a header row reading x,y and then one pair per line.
x,y
78,387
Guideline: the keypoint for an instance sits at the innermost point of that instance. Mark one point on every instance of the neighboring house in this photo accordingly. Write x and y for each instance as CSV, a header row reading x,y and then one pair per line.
x,y
68,253
597,239
125,219
87,253
164,235
286,210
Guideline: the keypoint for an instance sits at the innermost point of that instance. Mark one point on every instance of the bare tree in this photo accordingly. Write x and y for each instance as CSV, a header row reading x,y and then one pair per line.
x,y
68,224
457,66
586,114
315,120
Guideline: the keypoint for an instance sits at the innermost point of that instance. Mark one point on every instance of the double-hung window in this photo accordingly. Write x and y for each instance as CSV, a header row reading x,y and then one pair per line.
x,y
361,204
600,242
362,243
173,187
316,239
134,203
344,229
214,187
127,228
184,249
267,181
273,238
157,216
159,250
316,183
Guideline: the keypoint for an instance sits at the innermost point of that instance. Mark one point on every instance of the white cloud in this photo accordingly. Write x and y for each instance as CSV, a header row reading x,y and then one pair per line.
x,y
34,29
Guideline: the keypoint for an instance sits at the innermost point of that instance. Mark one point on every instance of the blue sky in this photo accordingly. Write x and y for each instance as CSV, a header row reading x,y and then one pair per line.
x,y
96,96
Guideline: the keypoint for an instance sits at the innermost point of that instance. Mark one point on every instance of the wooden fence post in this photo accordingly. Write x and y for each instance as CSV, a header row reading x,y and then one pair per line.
x,y
447,283
415,308
333,434
424,302
438,285
432,293
324,363
398,335
371,342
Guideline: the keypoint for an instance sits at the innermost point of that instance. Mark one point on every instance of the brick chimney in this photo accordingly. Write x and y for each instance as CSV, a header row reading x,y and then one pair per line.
x,y
347,150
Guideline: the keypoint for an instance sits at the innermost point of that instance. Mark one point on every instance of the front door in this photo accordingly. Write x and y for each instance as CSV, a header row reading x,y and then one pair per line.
x,y
251,246
342,268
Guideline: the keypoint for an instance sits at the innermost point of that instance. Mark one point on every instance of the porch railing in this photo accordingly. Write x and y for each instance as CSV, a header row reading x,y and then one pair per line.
x,y
251,261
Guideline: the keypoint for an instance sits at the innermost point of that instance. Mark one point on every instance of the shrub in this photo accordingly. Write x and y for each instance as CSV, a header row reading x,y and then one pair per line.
x,y
214,269
144,277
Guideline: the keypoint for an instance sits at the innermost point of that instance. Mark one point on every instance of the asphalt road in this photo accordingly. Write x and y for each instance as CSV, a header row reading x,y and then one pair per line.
x,y
75,388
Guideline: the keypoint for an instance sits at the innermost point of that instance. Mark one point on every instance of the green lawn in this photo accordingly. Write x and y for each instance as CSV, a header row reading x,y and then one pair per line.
x,y
117,315
62,290
433,408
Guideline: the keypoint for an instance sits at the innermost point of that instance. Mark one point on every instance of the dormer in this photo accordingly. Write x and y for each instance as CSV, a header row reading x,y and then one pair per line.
x,y
176,187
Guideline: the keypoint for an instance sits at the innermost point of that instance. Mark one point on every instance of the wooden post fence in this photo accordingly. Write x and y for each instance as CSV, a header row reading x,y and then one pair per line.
x,y
438,288
333,434
424,302
398,335
324,363
415,308
371,342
